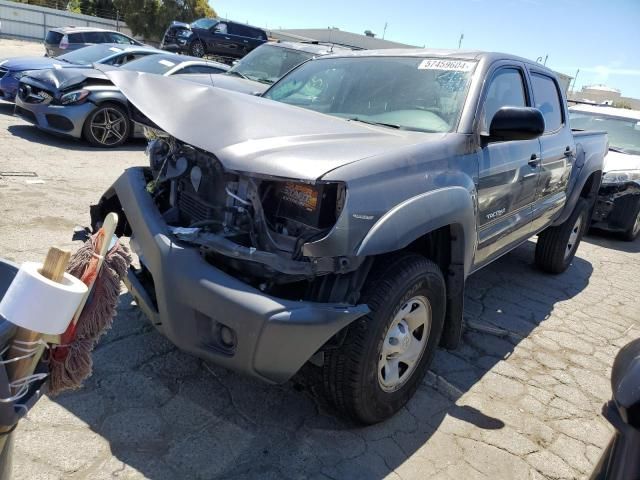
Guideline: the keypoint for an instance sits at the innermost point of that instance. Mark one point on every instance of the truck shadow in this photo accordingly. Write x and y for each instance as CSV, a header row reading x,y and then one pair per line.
x,y
33,134
169,415
611,240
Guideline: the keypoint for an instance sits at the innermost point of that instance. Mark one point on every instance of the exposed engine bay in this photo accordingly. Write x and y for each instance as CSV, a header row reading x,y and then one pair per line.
x,y
251,226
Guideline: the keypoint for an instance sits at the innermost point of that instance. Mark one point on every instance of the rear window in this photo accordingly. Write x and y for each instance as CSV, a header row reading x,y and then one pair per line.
x,y
547,100
90,54
53,38
159,64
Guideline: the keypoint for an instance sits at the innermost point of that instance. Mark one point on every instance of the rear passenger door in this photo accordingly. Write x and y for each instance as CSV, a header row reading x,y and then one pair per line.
x,y
508,171
557,149
95,37
76,41
240,37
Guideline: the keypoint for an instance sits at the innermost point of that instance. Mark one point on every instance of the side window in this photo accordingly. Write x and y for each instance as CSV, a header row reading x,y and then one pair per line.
x,y
221,28
95,37
547,98
506,90
117,38
240,30
77,38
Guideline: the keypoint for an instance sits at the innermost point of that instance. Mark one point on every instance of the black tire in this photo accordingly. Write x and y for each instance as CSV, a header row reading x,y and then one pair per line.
x,y
557,246
351,373
107,136
197,49
634,229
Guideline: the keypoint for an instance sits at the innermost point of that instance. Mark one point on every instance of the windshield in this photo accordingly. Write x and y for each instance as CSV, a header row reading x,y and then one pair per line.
x,y
205,23
89,55
268,63
399,92
624,133
159,64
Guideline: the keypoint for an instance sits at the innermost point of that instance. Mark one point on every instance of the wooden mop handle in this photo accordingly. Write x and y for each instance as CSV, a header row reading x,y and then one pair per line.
x,y
53,268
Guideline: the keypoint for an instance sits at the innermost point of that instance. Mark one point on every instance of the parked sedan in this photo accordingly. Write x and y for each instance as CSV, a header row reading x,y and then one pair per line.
x,y
83,103
618,205
12,69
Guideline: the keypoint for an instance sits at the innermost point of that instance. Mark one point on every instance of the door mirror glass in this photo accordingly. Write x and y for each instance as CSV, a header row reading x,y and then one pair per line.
x,y
516,123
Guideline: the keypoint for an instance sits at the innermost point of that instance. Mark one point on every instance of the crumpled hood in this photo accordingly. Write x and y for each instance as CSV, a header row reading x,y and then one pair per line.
x,y
228,82
19,64
616,161
253,134
63,78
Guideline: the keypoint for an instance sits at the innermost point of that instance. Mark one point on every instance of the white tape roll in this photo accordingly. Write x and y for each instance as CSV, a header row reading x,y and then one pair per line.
x,y
39,304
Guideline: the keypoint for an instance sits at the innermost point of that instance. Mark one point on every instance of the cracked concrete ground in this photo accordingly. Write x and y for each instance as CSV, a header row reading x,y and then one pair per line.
x,y
521,397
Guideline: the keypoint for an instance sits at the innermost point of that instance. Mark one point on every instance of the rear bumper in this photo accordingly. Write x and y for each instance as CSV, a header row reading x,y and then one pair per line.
x,y
616,206
196,305
61,119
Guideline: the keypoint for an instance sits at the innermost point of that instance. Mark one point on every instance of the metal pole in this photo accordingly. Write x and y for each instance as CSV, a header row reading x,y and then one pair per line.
x,y
545,60
460,41
385,30
574,80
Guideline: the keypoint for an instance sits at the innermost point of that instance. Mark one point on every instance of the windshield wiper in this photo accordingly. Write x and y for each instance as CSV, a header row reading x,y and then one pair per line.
x,y
382,124
235,72
617,149
264,80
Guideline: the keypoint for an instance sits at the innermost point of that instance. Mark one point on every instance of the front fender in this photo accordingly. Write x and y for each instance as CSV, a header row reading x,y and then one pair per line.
x,y
420,215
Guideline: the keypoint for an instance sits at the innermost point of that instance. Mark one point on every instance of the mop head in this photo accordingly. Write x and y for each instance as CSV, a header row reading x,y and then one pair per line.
x,y
70,363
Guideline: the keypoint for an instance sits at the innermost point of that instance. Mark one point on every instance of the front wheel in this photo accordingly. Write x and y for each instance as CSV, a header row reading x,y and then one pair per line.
x,y
197,49
558,245
386,354
107,126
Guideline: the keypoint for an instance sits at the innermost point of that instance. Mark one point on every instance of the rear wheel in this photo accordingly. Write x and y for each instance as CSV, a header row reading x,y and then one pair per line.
x,y
558,245
634,230
107,126
196,49
386,354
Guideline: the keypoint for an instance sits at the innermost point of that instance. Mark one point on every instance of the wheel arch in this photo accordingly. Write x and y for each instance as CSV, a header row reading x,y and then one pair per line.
x,y
446,235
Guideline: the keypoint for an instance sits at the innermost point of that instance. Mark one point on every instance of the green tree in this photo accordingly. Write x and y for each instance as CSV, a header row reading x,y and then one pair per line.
x,y
150,18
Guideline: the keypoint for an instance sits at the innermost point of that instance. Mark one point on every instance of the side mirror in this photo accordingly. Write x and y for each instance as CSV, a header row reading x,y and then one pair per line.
x,y
516,123
625,378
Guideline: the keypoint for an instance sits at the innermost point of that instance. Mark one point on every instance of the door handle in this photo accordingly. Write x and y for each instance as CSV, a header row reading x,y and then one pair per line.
x,y
534,161
227,38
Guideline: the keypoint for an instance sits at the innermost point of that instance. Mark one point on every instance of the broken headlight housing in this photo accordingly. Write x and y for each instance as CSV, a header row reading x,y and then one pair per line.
x,y
620,176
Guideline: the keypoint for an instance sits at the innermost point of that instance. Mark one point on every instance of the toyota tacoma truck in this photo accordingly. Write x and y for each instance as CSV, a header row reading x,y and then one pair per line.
x,y
333,221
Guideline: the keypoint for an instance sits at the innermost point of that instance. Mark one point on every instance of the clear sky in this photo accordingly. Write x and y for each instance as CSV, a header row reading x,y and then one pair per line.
x,y
599,37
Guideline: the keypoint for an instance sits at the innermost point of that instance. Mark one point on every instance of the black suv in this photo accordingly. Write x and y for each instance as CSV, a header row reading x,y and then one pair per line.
x,y
212,36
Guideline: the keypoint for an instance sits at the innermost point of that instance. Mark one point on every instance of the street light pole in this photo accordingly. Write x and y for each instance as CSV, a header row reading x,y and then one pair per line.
x,y
460,41
385,30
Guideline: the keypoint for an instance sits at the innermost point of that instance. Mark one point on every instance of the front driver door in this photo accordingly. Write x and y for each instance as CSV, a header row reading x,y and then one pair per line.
x,y
508,171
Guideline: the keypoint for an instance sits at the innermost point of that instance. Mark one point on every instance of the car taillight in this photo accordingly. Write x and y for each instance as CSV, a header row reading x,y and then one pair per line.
x,y
64,43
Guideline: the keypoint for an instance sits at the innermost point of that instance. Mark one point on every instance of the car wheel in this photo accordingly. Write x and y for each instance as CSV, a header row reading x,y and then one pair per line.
x,y
196,49
107,126
386,353
634,230
558,245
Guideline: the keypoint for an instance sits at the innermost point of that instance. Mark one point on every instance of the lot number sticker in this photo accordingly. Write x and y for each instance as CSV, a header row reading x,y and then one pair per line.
x,y
450,65
166,63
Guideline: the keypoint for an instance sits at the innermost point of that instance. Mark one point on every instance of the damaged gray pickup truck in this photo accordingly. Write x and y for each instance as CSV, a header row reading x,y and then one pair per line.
x,y
333,221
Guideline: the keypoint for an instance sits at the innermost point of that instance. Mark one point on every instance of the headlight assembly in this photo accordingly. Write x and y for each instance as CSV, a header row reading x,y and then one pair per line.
x,y
621,176
74,97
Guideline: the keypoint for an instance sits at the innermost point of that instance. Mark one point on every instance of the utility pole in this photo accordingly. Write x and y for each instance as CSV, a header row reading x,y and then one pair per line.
x,y
574,81
545,59
385,30
460,41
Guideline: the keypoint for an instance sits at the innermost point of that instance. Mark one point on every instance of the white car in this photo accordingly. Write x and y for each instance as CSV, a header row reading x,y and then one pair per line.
x,y
618,205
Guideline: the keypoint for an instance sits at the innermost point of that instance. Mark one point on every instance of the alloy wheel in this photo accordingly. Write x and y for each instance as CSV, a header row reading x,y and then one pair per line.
x,y
108,126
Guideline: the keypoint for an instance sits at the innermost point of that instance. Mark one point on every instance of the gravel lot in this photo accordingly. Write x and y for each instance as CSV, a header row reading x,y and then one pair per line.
x,y
521,398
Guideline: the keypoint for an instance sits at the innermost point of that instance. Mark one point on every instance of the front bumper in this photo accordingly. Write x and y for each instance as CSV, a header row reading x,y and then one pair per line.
x,y
178,46
61,119
617,206
191,302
